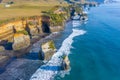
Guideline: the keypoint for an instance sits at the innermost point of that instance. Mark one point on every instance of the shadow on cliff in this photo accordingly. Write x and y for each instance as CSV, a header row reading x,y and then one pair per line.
x,y
7,45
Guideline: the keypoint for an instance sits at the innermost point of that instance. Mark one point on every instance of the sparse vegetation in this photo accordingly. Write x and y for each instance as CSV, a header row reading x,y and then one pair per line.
x,y
57,19
51,45
25,8
23,32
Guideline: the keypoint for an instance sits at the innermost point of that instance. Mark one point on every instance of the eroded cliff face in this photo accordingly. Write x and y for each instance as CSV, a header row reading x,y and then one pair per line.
x,y
20,32
6,32
32,27
45,24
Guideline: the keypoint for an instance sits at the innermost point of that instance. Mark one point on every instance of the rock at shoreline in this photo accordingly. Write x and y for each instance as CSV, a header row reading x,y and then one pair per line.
x,y
3,60
2,48
47,50
21,41
65,63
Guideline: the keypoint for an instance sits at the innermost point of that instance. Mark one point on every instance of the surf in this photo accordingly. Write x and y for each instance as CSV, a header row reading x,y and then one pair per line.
x,y
52,67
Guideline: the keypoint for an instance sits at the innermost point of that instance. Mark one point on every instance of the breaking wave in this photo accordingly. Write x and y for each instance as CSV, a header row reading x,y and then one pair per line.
x,y
51,68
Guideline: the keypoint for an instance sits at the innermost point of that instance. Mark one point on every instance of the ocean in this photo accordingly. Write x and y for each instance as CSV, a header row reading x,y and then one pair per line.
x,y
96,54
93,48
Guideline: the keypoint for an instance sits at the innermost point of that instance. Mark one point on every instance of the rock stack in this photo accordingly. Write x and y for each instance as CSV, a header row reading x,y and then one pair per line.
x,y
47,50
65,63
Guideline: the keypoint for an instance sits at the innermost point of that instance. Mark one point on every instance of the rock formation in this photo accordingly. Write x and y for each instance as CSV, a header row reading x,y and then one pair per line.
x,y
45,24
6,33
65,63
2,48
47,50
32,30
20,41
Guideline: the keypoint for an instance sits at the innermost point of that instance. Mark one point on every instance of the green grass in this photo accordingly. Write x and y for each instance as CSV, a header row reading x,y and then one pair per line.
x,y
23,32
51,45
24,9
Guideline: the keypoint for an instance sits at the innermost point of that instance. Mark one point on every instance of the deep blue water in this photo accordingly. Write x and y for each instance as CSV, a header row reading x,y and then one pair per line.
x,y
96,54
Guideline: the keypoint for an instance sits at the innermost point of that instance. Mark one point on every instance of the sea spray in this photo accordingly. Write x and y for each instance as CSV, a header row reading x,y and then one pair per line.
x,y
50,69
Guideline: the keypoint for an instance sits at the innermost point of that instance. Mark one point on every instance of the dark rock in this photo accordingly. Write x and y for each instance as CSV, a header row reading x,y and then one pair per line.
x,y
20,69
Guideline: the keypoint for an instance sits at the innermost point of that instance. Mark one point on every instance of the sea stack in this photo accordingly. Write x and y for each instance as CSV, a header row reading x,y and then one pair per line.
x,y
65,63
47,50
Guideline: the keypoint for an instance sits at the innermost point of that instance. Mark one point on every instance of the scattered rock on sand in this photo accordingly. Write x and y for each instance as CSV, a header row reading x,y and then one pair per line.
x,y
2,48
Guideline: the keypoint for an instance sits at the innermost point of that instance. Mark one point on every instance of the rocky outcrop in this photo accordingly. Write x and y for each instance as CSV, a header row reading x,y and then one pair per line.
x,y
2,48
65,63
21,41
6,33
47,50
19,25
32,30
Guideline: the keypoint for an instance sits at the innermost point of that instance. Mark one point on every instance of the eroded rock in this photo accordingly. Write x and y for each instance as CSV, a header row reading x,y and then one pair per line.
x,y
21,41
2,48
47,50
33,30
65,63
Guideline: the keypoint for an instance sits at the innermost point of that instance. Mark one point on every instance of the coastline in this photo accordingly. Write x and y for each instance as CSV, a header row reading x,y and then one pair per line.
x,y
6,56
18,56
35,42
23,61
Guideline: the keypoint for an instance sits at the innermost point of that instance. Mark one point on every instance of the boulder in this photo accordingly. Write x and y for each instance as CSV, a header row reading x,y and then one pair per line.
x,y
21,41
65,63
2,48
47,50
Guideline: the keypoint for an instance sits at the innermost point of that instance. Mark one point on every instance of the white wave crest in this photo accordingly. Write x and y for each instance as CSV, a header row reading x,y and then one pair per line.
x,y
50,69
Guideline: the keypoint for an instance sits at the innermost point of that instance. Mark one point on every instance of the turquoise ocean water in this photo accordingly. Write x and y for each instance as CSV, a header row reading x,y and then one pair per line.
x,y
96,54
93,48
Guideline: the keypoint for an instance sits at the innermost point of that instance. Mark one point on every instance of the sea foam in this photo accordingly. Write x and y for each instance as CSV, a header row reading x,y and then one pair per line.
x,y
50,69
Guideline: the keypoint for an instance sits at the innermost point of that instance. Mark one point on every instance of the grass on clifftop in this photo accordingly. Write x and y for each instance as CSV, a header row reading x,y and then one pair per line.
x,y
24,9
